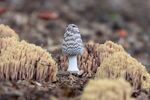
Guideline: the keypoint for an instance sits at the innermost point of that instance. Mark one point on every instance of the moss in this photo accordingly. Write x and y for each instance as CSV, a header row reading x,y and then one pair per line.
x,y
93,56
6,31
122,65
107,89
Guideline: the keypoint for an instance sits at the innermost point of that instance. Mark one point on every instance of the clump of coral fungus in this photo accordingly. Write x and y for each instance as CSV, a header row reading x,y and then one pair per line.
x,y
93,56
21,60
105,89
122,65
6,31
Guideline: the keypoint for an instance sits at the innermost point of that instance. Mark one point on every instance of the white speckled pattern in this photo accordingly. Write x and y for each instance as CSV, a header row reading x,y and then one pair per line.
x,y
72,43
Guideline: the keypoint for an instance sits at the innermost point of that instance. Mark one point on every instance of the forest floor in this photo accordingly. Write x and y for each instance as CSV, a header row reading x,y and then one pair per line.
x,y
45,26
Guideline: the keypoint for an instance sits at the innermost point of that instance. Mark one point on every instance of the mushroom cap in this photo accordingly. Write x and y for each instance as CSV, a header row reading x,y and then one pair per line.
x,y
72,44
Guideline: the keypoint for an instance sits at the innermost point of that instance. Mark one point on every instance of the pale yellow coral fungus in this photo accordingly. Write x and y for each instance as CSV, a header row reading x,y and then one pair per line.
x,y
6,31
93,55
121,64
21,60
26,61
107,89
107,49
5,42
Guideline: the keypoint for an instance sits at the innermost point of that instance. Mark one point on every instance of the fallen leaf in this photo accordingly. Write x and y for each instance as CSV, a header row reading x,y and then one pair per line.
x,y
122,33
2,10
48,15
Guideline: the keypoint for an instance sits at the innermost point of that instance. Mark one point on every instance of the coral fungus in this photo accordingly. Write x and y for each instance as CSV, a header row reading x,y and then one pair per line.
x,y
26,61
107,89
5,42
21,60
107,49
121,64
6,31
93,56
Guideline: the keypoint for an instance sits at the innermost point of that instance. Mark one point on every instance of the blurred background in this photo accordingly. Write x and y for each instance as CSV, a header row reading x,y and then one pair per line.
x,y
43,22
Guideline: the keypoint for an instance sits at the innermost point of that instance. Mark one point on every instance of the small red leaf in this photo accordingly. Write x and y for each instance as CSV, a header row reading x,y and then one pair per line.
x,y
2,10
48,15
122,33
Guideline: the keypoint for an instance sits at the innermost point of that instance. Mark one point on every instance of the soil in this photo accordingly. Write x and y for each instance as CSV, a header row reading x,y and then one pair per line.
x,y
67,87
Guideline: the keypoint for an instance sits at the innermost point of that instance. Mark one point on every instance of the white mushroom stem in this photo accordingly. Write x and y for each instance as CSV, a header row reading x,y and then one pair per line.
x,y
73,68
